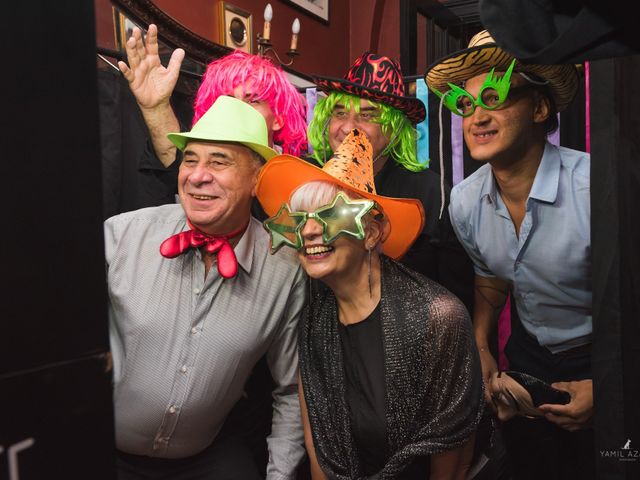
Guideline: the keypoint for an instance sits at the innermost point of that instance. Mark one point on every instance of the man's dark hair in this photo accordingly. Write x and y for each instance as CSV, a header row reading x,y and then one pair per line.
x,y
551,123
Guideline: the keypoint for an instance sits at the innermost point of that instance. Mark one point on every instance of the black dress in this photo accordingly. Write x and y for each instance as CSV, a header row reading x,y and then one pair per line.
x,y
362,349
421,350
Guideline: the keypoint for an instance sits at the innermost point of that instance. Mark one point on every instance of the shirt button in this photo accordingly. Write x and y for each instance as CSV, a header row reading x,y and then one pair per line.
x,y
196,291
194,330
183,369
172,409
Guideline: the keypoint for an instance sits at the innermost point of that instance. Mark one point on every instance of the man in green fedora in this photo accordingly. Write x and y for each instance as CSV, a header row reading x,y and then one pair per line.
x,y
195,301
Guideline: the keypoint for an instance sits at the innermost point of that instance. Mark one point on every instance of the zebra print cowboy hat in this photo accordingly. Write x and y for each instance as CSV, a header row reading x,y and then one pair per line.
x,y
483,54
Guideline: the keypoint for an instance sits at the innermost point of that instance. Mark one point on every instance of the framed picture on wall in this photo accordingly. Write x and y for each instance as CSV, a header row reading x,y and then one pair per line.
x,y
123,28
316,8
235,27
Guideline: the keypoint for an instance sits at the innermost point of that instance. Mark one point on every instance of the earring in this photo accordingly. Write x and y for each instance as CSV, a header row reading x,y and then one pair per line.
x,y
370,292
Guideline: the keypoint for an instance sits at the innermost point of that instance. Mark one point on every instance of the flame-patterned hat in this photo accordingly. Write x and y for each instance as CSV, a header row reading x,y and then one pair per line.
x,y
376,78
483,54
350,167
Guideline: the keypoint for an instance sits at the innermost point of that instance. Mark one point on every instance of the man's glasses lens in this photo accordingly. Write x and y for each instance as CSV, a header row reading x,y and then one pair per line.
x,y
493,93
490,98
464,105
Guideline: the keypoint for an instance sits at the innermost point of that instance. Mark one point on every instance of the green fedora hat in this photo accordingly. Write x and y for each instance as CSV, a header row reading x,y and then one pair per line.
x,y
229,120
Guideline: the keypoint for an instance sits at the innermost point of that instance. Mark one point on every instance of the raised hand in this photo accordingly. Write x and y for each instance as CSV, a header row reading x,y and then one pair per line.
x,y
149,81
152,85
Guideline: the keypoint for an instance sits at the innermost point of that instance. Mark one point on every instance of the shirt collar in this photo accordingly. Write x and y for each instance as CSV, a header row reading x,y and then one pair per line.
x,y
545,185
489,188
245,246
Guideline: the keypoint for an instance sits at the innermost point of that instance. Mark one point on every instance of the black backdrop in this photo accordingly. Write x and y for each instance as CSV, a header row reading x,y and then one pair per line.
x,y
55,396
615,232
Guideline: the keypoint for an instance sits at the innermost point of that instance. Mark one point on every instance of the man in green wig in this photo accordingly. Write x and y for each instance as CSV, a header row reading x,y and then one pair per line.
x,y
371,97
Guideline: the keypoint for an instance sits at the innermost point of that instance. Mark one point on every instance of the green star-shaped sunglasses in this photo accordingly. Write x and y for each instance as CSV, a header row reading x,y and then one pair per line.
x,y
343,216
493,93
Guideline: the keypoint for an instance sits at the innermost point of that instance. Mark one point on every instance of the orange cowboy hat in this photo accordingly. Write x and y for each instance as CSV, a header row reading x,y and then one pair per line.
x,y
350,167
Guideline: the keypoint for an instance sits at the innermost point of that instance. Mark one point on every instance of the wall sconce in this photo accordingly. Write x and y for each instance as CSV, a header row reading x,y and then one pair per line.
x,y
264,40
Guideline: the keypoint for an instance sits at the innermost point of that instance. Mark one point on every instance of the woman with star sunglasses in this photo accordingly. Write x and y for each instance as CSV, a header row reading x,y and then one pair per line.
x,y
390,384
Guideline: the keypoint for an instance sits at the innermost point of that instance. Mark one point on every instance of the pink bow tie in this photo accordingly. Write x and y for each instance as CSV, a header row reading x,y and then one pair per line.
x,y
179,243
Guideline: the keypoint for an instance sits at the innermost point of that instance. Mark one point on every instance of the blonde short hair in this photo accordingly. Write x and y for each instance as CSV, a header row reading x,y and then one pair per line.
x,y
310,196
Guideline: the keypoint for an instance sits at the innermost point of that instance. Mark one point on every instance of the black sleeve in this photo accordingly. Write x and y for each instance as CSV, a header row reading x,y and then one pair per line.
x,y
436,253
442,259
158,184
149,161
455,269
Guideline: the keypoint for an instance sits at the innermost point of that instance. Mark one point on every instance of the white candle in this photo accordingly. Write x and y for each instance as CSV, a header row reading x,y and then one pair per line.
x,y
295,30
268,15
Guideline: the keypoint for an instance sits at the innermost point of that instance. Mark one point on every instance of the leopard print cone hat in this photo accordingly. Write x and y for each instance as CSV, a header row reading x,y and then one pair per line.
x,y
350,167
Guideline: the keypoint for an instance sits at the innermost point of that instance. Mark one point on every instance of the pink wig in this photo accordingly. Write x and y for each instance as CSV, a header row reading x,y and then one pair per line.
x,y
268,83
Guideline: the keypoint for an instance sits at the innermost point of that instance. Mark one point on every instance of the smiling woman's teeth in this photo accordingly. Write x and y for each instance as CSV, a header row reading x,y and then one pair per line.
x,y
317,249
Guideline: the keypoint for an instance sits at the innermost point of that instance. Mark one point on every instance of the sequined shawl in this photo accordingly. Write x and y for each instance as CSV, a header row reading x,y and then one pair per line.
x,y
433,379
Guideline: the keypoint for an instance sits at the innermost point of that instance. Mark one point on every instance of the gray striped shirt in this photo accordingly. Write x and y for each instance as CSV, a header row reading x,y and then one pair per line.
x,y
183,346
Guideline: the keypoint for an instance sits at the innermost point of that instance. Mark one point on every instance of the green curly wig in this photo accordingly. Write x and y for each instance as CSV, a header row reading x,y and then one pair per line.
x,y
394,123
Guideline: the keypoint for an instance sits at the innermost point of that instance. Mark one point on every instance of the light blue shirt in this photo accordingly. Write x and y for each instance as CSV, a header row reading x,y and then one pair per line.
x,y
549,264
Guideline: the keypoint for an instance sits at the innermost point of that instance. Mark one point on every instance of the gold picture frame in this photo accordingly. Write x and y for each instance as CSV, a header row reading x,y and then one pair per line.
x,y
235,27
123,29
319,9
